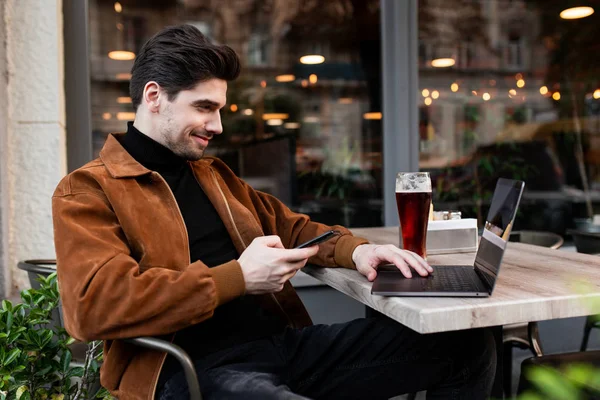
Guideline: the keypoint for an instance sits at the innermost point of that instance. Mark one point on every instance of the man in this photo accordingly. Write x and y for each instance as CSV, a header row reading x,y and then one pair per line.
x,y
153,239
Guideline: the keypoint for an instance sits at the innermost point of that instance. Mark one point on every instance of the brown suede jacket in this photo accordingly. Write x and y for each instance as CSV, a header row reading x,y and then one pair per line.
x,y
124,266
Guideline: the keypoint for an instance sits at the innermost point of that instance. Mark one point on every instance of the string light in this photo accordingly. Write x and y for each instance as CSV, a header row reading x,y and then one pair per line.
x,y
556,96
312,59
543,90
370,115
428,101
454,87
486,96
425,93
285,78
520,83
435,94
576,12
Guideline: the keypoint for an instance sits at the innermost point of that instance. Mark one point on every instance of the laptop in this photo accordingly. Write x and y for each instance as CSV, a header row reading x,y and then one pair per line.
x,y
476,280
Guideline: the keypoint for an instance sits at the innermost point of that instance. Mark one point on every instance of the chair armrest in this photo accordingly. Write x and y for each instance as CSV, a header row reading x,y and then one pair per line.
x,y
179,354
40,267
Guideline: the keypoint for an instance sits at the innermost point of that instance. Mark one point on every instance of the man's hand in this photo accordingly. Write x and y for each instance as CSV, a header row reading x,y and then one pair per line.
x,y
267,265
368,257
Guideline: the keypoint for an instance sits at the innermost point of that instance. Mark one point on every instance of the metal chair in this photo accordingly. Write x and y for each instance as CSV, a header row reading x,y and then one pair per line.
x,y
558,361
42,267
525,335
587,242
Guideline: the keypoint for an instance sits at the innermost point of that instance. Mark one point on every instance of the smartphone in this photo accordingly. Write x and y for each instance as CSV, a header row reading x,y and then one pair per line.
x,y
319,239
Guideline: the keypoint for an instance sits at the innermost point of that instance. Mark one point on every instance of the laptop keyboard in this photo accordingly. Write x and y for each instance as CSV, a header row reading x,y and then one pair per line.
x,y
450,278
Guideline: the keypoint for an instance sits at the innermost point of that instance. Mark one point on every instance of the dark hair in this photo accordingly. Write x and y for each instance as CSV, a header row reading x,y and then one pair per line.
x,y
178,58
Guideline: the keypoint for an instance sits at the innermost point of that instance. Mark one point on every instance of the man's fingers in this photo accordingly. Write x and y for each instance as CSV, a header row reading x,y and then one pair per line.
x,y
416,262
421,260
288,276
271,241
399,262
293,255
403,260
371,274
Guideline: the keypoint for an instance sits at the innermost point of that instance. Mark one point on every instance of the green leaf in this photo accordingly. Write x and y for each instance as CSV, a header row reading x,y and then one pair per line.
x,y
21,390
9,320
46,336
43,371
77,371
38,299
6,305
94,366
13,354
65,360
579,373
530,396
552,383
26,296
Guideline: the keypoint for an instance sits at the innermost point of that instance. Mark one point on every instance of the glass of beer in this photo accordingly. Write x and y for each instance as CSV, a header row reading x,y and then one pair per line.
x,y
413,198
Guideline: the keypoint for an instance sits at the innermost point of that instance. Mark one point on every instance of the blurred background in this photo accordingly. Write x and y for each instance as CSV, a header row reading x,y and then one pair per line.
x,y
505,88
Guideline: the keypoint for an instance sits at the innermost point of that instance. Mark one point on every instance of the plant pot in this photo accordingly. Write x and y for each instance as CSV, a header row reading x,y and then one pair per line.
x,y
586,242
586,225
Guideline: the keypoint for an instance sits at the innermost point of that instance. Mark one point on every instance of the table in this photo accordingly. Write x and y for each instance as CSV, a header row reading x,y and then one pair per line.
x,y
534,284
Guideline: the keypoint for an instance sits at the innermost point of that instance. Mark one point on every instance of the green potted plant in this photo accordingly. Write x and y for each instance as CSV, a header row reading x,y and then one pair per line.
x,y
36,360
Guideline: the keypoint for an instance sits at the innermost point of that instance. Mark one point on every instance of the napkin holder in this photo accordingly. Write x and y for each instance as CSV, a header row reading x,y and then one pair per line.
x,y
451,236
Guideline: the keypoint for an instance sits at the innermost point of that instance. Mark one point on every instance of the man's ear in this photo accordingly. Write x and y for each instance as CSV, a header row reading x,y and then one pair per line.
x,y
152,96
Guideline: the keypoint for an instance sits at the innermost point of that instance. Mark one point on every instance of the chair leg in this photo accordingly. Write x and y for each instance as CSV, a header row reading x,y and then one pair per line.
x,y
533,334
589,324
507,369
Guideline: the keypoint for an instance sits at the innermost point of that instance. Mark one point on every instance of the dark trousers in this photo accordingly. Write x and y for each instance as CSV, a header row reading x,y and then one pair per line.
x,y
373,358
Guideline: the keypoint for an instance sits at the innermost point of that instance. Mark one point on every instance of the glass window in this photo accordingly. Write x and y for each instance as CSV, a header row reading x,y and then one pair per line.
x,y
510,89
307,130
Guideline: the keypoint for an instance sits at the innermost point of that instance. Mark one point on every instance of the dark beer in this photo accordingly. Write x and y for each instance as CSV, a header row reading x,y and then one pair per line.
x,y
413,210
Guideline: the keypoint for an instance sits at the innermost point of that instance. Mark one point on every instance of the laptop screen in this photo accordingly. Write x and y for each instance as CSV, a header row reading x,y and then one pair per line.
x,y
497,229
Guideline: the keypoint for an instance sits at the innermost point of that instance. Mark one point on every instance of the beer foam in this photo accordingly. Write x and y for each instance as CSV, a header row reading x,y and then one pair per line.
x,y
413,183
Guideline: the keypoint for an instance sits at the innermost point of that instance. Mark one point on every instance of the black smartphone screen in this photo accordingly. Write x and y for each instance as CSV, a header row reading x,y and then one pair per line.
x,y
319,239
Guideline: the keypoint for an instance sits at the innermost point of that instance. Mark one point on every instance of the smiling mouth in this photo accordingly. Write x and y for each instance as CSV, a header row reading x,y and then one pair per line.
x,y
201,139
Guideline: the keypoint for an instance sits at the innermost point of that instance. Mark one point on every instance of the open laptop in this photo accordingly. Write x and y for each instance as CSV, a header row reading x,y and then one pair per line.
x,y
476,280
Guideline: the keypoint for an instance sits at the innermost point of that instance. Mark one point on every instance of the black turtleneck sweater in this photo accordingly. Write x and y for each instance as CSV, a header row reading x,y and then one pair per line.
x,y
238,321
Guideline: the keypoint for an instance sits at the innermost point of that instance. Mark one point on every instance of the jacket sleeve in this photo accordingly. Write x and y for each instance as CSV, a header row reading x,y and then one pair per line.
x,y
293,228
104,294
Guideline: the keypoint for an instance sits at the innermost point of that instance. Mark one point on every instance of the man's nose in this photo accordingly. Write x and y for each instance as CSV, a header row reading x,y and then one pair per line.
x,y
214,125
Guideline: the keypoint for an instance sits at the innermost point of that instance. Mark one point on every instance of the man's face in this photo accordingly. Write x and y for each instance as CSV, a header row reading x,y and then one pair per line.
x,y
188,123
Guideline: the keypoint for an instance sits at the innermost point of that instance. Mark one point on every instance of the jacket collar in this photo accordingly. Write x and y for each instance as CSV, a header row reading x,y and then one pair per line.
x,y
120,164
